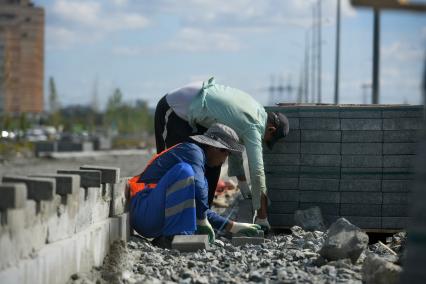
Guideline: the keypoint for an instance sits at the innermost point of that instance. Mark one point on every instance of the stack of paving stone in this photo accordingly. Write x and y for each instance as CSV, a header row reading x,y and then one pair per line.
x,y
56,224
352,161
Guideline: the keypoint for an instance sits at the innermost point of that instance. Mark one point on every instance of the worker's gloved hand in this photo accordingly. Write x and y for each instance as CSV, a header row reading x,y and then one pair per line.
x,y
245,189
263,223
246,229
204,228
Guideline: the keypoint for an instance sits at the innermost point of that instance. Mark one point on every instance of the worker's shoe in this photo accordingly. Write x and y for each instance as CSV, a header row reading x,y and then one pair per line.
x,y
263,223
163,242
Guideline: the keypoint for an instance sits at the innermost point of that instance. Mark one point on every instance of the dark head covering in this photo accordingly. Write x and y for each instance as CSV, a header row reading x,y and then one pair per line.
x,y
280,122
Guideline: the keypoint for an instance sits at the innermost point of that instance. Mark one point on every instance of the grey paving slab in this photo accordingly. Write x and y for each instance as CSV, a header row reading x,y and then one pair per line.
x,y
362,161
320,172
323,148
318,111
360,185
283,147
38,189
282,171
320,123
360,112
402,123
13,195
401,136
395,222
397,185
330,219
398,161
190,243
399,148
362,173
293,135
362,136
283,207
283,195
361,124
88,178
281,220
365,222
294,122
282,159
395,210
109,174
320,136
320,196
398,173
278,182
396,198
65,184
403,111
362,149
320,160
326,208
361,197
319,184
367,210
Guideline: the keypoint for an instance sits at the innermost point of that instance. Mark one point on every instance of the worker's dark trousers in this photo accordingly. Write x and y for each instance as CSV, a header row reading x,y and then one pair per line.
x,y
170,130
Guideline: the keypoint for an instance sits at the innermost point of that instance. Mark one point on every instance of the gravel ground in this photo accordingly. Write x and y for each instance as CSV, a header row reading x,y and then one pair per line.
x,y
289,258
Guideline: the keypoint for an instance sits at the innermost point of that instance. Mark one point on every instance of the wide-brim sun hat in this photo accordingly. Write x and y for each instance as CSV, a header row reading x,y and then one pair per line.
x,y
220,136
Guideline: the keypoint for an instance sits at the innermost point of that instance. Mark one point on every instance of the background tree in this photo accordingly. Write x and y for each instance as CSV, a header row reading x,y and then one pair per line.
x,y
55,117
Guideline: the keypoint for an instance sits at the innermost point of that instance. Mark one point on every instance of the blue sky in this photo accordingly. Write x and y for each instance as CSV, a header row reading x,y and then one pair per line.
x,y
148,47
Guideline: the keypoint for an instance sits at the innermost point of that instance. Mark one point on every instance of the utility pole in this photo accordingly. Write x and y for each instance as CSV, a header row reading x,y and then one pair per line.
x,y
313,61
376,57
337,66
306,89
271,90
365,87
319,50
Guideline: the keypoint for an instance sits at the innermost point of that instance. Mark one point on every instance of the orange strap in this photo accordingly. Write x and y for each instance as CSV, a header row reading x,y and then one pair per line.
x,y
136,186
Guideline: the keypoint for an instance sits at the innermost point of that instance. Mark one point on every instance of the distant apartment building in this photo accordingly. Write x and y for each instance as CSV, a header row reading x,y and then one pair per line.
x,y
21,57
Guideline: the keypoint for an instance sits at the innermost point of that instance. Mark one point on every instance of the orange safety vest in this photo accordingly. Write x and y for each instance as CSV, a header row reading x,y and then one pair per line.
x,y
135,186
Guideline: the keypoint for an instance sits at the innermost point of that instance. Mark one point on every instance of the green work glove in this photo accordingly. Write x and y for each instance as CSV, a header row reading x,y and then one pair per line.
x,y
246,229
204,228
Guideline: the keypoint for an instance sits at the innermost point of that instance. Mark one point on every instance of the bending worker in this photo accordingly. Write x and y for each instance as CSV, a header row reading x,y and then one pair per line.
x,y
194,107
170,196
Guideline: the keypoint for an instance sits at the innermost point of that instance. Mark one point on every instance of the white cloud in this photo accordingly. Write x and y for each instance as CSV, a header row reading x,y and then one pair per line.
x,y
89,21
195,40
83,13
402,52
120,2
187,40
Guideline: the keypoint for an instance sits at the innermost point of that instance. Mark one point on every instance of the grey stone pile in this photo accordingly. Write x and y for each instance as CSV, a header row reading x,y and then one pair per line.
x,y
339,255
292,258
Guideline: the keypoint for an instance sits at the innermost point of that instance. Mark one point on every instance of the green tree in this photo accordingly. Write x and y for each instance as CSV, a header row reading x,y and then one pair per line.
x,y
55,117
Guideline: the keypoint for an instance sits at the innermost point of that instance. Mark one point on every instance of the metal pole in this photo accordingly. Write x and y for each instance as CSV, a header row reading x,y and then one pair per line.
x,y
376,57
307,45
319,50
336,73
313,55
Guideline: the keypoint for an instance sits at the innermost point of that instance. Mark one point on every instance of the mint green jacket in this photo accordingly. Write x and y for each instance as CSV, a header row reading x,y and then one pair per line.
x,y
238,110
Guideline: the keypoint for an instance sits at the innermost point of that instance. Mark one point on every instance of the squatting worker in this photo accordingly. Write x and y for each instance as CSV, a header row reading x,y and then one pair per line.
x,y
170,196
194,107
